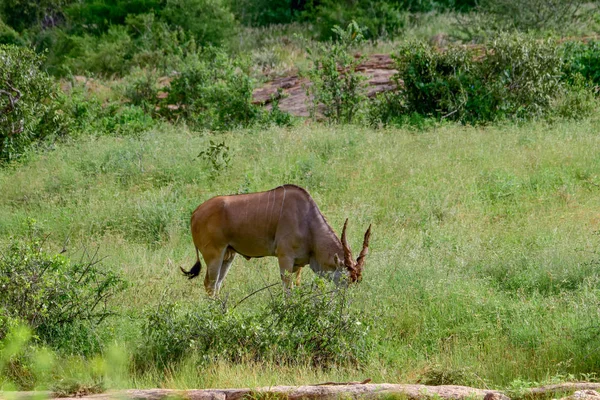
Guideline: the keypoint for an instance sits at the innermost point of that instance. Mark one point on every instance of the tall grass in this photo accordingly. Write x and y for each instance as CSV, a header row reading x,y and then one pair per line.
x,y
482,262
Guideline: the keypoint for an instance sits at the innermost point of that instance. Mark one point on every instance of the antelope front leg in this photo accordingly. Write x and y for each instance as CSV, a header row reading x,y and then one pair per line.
x,y
298,272
286,268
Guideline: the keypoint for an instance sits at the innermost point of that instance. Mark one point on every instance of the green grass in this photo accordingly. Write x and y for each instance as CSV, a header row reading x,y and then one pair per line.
x,y
482,268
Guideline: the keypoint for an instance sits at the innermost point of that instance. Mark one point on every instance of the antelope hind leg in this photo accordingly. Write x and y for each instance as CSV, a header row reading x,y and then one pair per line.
x,y
214,260
227,261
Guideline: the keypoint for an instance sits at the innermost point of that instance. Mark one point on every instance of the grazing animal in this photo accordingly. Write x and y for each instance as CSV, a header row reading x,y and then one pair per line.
x,y
284,222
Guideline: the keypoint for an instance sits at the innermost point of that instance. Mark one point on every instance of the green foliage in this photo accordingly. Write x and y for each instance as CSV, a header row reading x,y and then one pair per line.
x,y
29,110
266,12
337,89
583,59
378,19
433,82
575,101
217,154
23,14
61,301
210,22
97,16
213,91
314,323
9,36
493,16
516,77
86,113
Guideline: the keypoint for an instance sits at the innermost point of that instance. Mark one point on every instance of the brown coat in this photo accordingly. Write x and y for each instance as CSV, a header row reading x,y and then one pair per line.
x,y
284,222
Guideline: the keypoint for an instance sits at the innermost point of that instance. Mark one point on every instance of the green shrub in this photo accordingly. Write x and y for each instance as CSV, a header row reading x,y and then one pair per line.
x,y
9,35
29,110
583,59
516,77
141,88
156,45
213,91
108,54
574,101
314,323
433,81
96,16
266,12
492,16
24,14
209,22
86,113
379,19
336,88
60,300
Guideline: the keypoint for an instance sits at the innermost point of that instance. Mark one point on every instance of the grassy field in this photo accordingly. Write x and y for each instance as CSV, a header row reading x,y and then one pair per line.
x,y
483,267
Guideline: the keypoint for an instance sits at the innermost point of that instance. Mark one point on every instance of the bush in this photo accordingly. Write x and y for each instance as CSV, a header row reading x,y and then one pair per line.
x,y
96,16
60,300
24,14
379,19
314,323
209,22
433,82
9,35
213,91
266,12
29,109
516,77
107,55
583,59
492,16
337,88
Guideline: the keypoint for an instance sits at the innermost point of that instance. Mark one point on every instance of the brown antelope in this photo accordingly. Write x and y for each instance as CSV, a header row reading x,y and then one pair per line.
x,y
284,222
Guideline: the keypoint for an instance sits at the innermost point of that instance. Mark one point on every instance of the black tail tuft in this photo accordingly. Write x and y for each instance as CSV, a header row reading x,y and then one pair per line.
x,y
194,272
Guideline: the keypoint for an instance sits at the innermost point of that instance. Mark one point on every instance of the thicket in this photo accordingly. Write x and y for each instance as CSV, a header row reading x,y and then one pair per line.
x,y
314,323
61,301
488,17
29,102
513,76
337,89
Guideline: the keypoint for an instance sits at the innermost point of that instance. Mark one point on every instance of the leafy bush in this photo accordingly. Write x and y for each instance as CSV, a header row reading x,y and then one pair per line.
x,y
96,16
313,323
29,110
210,22
87,113
9,35
24,14
525,75
108,54
515,77
60,300
213,91
266,12
583,59
337,88
379,19
433,82
492,16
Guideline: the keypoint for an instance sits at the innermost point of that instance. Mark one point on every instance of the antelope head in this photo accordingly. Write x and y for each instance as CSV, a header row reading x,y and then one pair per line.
x,y
354,268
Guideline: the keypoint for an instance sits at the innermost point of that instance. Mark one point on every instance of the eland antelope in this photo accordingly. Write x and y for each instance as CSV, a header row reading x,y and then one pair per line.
x,y
284,222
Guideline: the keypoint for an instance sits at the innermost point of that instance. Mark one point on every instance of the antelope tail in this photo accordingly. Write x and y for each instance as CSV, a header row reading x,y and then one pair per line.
x,y
195,270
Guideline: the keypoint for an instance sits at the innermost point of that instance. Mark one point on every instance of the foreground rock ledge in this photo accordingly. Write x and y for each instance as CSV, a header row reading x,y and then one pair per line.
x,y
303,392
334,391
